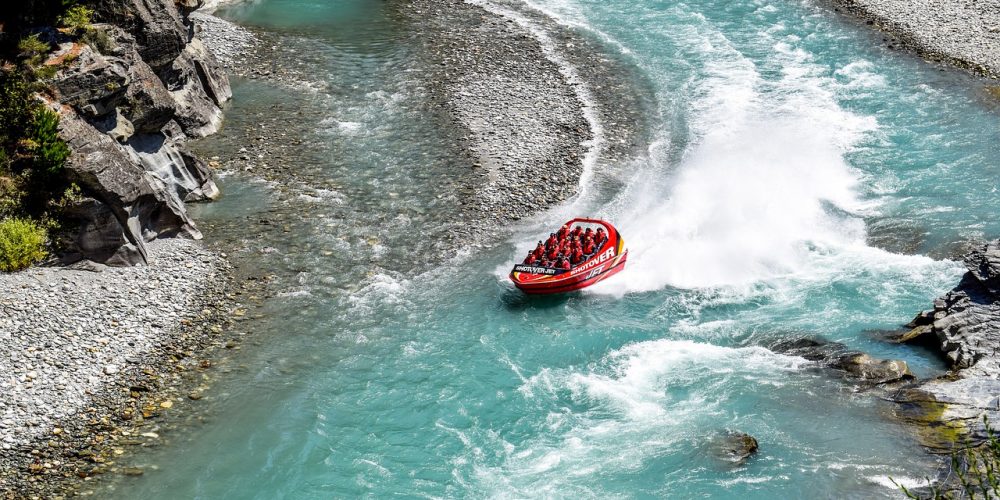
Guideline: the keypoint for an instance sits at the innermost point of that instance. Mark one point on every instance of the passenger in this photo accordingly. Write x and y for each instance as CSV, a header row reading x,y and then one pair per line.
x,y
546,263
530,259
589,247
563,232
564,264
549,243
589,232
600,237
553,253
577,231
540,249
577,256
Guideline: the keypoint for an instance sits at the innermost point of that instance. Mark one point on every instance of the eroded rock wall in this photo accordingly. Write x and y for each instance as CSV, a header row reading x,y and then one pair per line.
x,y
964,327
126,110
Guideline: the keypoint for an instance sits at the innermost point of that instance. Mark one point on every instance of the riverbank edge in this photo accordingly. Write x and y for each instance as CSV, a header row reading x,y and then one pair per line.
x,y
158,367
906,23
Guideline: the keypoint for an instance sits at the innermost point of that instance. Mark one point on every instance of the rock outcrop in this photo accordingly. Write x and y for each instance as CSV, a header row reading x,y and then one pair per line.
x,y
964,327
125,111
852,365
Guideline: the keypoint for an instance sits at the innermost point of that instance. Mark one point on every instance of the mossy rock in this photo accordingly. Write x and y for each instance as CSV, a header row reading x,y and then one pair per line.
x,y
926,415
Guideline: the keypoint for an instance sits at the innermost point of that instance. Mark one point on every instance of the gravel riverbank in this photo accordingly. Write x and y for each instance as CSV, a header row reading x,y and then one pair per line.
x,y
88,348
536,103
964,33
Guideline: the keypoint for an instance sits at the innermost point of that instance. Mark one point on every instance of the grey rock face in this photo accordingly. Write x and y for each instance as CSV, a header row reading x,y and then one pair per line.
x,y
156,25
964,327
965,322
92,83
199,87
125,114
142,206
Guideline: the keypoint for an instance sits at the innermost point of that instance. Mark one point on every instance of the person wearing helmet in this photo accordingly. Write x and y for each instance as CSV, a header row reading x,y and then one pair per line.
x,y
530,259
553,253
552,241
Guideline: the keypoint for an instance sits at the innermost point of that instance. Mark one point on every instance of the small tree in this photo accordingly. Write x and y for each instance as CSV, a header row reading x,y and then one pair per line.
x,y
77,18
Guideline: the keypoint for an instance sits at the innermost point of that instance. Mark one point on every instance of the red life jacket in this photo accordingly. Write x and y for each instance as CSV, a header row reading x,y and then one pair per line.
x,y
551,241
553,254
577,231
577,257
589,247
563,232
565,264
530,259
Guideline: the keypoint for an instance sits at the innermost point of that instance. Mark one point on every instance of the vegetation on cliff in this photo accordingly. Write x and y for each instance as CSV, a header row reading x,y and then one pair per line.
x,y
33,184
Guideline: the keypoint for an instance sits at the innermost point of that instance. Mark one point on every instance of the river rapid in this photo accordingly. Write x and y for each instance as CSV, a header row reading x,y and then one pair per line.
x,y
802,179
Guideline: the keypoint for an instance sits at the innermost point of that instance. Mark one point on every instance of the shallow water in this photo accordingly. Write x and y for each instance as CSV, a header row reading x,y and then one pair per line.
x,y
792,153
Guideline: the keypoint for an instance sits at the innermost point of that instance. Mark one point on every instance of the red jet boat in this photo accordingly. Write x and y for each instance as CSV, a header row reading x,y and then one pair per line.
x,y
602,264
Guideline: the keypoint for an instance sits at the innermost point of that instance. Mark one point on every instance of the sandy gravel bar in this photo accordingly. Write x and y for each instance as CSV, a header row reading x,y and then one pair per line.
x,y
965,33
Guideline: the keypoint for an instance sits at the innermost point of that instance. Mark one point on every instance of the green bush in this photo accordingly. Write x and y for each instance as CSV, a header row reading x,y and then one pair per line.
x,y
32,154
99,40
22,243
77,18
32,50
48,148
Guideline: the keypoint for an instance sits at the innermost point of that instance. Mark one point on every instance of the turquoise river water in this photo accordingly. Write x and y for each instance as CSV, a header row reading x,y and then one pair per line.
x,y
803,179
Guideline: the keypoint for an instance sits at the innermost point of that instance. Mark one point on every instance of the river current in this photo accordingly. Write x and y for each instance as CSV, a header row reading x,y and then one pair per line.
x,y
803,179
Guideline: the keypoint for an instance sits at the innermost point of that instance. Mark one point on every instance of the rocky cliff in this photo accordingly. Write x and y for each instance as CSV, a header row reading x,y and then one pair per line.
x,y
126,109
964,327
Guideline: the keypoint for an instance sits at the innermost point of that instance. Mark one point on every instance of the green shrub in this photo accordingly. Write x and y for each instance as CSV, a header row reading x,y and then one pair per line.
x,y
99,40
33,154
22,243
48,148
77,18
32,50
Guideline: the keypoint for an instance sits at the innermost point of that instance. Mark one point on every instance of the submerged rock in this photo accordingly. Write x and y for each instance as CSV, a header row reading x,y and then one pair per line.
x,y
852,365
879,371
733,447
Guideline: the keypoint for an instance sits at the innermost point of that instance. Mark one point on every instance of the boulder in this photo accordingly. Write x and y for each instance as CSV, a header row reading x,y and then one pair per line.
x,y
92,83
879,371
199,86
732,448
850,364
143,207
156,25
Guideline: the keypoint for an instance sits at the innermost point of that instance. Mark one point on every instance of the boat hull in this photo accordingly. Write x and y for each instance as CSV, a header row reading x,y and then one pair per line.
x,y
606,262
